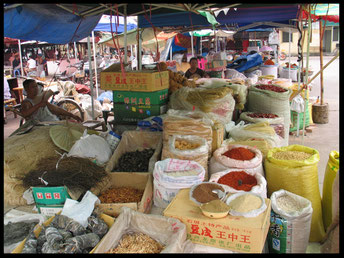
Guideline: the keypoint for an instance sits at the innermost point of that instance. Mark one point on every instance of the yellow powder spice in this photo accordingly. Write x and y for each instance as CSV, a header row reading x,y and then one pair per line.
x,y
215,206
245,203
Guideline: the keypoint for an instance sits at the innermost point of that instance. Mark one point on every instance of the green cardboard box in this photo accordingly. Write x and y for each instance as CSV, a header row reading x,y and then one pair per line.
x,y
50,200
131,114
141,98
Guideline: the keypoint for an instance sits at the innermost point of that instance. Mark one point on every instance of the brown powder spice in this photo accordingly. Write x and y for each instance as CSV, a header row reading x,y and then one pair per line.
x,y
121,195
203,192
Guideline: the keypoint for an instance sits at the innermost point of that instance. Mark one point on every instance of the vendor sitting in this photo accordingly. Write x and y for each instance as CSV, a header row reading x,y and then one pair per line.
x,y
36,105
194,71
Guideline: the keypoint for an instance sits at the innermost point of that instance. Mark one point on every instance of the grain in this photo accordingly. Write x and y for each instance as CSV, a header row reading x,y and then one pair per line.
x,y
245,203
291,155
288,204
137,243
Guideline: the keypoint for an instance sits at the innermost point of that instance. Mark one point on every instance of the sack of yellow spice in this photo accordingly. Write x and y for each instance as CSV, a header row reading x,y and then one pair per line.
x,y
299,176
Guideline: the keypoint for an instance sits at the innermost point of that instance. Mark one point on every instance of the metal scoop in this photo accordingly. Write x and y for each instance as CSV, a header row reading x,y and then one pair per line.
x,y
222,195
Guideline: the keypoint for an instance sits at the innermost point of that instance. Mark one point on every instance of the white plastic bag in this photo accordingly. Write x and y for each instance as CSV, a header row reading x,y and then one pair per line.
x,y
86,104
232,74
259,189
297,104
219,162
91,146
296,223
171,175
80,211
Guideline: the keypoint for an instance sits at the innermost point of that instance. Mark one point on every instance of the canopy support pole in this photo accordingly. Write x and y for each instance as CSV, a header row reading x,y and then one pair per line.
x,y
125,35
95,62
321,32
68,51
307,66
200,45
91,73
21,59
192,48
75,51
289,53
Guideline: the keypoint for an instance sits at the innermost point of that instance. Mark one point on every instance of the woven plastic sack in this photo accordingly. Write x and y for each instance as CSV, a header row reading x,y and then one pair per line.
x,y
199,154
266,101
298,177
330,174
170,232
219,162
289,232
259,189
277,123
167,182
260,144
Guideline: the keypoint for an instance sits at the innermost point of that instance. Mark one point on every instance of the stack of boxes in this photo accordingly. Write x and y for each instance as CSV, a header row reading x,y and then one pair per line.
x,y
139,95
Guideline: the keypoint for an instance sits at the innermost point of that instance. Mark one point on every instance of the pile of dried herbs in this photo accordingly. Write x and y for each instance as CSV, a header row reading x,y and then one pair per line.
x,y
134,161
73,172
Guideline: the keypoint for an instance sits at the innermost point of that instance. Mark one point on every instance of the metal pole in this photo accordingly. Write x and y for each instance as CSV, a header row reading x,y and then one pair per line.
x,y
192,49
75,51
91,73
95,62
200,44
68,51
289,53
125,34
21,59
139,60
171,54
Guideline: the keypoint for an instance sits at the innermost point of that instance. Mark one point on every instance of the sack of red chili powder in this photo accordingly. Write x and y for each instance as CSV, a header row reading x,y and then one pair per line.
x,y
237,156
237,181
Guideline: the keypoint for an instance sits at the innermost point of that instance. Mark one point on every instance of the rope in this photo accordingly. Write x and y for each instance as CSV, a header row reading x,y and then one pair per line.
x,y
157,44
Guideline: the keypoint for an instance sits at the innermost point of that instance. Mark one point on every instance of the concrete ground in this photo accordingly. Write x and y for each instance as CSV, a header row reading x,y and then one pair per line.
x,y
324,137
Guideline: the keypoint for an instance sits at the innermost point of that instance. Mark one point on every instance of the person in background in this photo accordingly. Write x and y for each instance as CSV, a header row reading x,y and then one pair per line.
x,y
7,95
16,65
194,71
40,68
36,105
31,66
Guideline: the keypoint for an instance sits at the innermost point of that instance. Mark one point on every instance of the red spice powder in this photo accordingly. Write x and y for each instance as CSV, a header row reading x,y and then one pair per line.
x,y
240,153
238,180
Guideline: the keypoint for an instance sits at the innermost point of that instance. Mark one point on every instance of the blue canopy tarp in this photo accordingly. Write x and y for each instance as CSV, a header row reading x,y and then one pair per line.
x,y
173,20
245,16
106,20
47,22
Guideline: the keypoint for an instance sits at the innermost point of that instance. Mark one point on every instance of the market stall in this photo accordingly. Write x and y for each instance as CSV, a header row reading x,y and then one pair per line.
x,y
188,166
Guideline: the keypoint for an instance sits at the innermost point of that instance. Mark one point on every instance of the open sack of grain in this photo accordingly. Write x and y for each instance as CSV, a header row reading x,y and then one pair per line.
x,y
136,232
295,169
187,147
291,217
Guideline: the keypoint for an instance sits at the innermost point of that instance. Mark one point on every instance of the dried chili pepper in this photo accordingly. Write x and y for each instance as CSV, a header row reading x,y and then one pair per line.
x,y
271,88
240,153
238,180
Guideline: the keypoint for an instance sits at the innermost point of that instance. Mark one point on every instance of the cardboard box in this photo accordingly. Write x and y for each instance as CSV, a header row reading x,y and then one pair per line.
x,y
236,233
141,98
131,114
143,80
210,66
50,200
107,219
137,140
142,181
